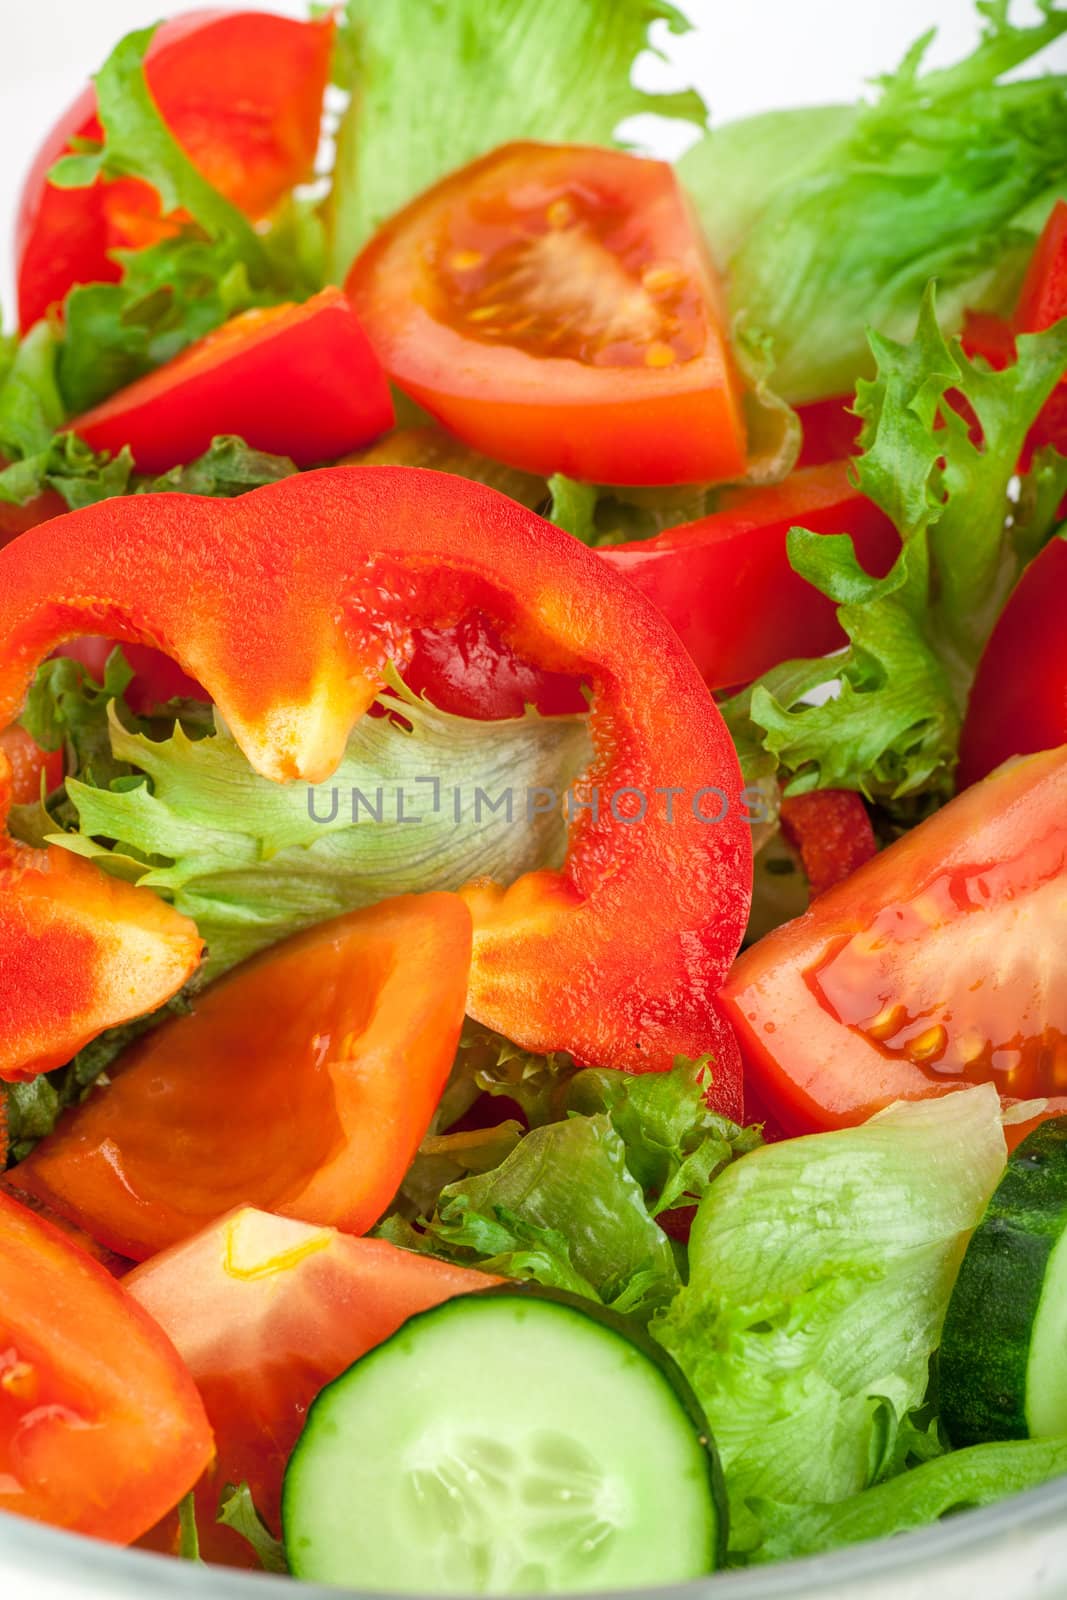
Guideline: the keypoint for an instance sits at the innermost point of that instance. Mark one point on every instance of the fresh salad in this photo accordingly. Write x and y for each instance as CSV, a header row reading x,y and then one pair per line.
x,y
533,877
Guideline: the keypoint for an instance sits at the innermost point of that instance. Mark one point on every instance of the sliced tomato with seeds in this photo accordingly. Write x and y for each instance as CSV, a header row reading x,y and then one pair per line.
x,y
938,964
555,307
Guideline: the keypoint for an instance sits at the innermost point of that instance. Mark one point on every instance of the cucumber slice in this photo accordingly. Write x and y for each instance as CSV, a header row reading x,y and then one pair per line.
x,y
1003,1363
506,1442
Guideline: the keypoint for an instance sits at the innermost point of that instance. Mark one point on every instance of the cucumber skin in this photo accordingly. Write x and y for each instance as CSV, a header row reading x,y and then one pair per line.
x,y
617,1324
985,1344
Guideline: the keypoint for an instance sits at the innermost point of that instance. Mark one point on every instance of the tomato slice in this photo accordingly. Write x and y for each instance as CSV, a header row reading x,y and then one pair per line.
x,y
303,1081
725,583
938,964
1018,702
101,1427
555,307
266,1311
297,380
242,92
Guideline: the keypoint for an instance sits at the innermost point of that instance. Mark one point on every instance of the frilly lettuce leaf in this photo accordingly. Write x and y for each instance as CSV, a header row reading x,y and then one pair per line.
x,y
978,1476
820,1272
434,86
891,705
833,219
572,1202
252,861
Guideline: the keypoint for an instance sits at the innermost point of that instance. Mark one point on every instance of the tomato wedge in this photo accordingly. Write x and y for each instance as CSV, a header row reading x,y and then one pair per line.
x,y
297,380
101,1427
555,307
939,963
725,583
304,1081
265,1312
241,91
830,430
1018,702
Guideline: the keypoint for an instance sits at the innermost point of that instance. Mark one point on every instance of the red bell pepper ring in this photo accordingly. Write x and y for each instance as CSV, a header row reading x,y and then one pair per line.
x,y
287,604
832,831
241,91
296,380
725,583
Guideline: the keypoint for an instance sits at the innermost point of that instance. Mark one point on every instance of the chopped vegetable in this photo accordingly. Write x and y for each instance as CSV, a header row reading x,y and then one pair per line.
x,y
1001,1369
935,964
405,1475
101,1428
299,380
264,1311
833,220
820,1272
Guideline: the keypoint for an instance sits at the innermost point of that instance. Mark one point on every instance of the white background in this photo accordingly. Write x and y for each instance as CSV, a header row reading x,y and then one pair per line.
x,y
748,55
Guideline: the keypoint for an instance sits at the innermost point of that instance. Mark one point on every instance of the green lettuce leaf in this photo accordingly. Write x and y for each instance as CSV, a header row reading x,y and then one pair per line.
x,y
889,709
675,1144
252,861
434,86
833,219
956,1482
820,1272
563,1209
81,476
237,1510
31,408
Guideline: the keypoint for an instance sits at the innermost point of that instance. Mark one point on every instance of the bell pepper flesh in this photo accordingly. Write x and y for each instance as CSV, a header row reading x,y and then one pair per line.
x,y
295,380
286,605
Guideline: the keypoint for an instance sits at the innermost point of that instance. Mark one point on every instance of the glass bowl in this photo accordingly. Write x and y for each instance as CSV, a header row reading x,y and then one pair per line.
x,y
1013,1551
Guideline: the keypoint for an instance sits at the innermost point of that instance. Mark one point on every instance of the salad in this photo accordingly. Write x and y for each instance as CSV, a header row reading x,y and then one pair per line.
x,y
534,777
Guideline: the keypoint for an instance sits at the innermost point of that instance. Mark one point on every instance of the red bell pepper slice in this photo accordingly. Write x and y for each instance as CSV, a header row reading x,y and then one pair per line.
x,y
725,583
830,430
286,604
241,91
1042,303
1018,703
832,831
79,952
296,380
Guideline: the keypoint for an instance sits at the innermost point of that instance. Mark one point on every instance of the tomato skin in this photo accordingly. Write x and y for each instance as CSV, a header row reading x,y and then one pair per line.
x,y
725,584
296,380
265,1312
814,1071
241,91
1018,702
605,423
336,1045
101,1427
